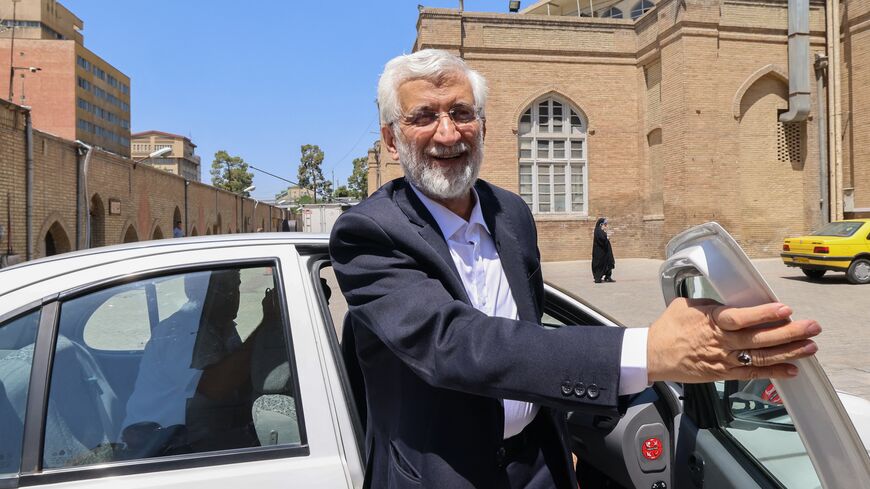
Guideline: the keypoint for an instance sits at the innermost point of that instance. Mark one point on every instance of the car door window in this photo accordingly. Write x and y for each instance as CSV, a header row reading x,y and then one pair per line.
x,y
17,337
211,370
755,418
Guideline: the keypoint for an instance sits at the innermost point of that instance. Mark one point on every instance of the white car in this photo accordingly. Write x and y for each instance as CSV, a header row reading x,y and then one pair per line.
x,y
215,362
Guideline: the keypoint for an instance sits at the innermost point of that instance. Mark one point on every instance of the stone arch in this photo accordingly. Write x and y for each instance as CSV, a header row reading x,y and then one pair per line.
x,y
97,216
218,225
772,70
176,217
47,223
550,91
194,232
129,234
157,233
56,240
759,160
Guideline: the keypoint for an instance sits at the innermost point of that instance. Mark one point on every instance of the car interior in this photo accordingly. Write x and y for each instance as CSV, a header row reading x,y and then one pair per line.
x,y
100,363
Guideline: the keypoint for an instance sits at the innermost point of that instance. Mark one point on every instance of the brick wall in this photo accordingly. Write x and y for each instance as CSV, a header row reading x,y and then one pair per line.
x,y
682,109
149,199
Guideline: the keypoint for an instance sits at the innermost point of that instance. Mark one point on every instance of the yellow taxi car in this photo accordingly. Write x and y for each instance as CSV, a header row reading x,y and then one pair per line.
x,y
842,246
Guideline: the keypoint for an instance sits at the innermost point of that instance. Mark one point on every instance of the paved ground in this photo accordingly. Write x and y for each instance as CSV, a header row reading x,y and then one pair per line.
x,y
842,309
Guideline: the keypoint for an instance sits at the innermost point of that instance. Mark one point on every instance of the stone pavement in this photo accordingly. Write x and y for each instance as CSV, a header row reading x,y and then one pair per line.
x,y
841,308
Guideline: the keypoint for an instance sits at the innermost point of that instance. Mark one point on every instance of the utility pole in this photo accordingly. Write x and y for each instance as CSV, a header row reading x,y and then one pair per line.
x,y
12,50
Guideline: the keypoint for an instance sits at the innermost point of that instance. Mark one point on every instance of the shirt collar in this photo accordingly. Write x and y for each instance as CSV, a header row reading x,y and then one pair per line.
x,y
447,221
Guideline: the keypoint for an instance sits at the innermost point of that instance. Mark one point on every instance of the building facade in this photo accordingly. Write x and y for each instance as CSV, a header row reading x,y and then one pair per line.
x,y
659,123
181,161
116,202
74,94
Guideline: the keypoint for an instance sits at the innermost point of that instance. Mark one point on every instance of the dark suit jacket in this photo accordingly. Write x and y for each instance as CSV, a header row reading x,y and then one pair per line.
x,y
434,367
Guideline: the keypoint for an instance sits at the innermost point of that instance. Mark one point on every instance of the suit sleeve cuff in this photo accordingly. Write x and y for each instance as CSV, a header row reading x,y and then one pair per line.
x,y
632,368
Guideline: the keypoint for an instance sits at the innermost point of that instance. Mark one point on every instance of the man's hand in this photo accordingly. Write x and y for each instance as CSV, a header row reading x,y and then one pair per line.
x,y
699,341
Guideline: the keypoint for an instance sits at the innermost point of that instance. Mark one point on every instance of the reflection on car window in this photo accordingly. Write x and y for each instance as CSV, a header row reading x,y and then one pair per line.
x,y
121,322
208,370
17,338
758,420
841,229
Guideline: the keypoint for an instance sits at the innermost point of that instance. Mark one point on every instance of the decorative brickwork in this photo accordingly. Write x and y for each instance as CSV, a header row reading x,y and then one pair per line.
x,y
682,108
148,200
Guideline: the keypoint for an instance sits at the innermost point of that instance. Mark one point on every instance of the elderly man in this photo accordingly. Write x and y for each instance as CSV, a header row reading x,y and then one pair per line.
x,y
442,276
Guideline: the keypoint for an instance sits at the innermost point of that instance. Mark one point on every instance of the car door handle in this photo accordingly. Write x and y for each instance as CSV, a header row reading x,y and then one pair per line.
x,y
696,469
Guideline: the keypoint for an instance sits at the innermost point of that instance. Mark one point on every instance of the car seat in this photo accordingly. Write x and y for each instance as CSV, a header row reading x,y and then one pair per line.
x,y
274,408
81,418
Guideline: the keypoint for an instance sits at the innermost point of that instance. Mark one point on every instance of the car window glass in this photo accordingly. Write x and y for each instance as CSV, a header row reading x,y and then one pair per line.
x,y
214,372
120,322
17,338
755,418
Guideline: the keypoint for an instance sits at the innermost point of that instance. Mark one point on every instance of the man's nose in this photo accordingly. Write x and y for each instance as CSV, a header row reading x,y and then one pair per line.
x,y
446,132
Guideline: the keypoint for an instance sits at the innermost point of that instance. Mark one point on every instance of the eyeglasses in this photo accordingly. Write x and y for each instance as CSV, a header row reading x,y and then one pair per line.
x,y
462,115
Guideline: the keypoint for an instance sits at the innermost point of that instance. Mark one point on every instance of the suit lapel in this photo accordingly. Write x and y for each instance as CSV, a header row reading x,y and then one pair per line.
x,y
417,213
509,251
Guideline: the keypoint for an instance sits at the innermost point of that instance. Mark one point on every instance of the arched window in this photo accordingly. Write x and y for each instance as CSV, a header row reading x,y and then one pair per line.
x,y
611,13
640,8
552,159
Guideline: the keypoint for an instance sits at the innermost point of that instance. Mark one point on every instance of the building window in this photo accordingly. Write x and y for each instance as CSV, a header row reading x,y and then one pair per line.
x,y
611,13
641,8
552,157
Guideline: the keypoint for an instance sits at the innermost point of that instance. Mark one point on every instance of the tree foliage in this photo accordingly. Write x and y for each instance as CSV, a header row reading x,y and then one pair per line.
x,y
310,173
342,191
358,181
231,173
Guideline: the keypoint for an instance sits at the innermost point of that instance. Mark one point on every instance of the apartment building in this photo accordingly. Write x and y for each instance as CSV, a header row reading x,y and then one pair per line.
x,y
73,92
181,161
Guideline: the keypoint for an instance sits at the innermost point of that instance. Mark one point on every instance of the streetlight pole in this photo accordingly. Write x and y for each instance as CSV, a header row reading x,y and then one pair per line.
x,y
12,48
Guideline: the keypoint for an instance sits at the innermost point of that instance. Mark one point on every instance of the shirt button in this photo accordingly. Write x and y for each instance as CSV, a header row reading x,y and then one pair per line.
x,y
567,388
580,389
592,391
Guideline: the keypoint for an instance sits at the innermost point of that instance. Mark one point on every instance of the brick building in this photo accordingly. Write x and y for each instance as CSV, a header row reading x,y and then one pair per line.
x,y
118,201
659,122
74,93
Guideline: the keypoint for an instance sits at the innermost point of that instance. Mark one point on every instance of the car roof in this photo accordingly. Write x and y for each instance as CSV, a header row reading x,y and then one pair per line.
x,y
33,271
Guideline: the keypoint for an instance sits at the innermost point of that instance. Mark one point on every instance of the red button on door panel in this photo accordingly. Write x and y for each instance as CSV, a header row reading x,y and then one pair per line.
x,y
652,448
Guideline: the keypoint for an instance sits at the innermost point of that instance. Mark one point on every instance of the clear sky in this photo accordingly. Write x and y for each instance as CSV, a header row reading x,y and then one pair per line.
x,y
258,78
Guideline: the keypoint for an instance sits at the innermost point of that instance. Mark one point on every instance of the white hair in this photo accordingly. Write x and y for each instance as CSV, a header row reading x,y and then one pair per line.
x,y
434,65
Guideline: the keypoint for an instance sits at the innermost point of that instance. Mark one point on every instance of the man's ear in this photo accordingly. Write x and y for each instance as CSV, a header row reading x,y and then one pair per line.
x,y
389,140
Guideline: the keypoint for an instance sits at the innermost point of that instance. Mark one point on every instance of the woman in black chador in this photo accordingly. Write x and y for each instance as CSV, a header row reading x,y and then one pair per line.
x,y
602,254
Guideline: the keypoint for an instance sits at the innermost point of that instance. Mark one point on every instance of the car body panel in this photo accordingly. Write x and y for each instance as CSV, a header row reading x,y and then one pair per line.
x,y
842,250
334,455
332,460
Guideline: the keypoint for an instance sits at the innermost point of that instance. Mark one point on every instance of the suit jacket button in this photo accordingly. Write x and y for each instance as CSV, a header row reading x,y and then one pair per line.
x,y
592,391
567,388
579,389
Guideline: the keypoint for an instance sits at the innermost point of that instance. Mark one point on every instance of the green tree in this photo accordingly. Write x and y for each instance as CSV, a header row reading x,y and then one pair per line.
x,y
342,191
358,181
310,171
231,173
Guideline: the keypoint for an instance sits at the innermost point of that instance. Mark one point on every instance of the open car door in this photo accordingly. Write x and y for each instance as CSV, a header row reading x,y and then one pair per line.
x,y
791,433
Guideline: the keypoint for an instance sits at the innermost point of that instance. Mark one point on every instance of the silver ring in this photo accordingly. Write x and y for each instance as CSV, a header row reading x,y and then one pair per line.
x,y
744,358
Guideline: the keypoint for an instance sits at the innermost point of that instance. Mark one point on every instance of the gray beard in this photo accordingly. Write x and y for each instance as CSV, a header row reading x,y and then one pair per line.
x,y
435,181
